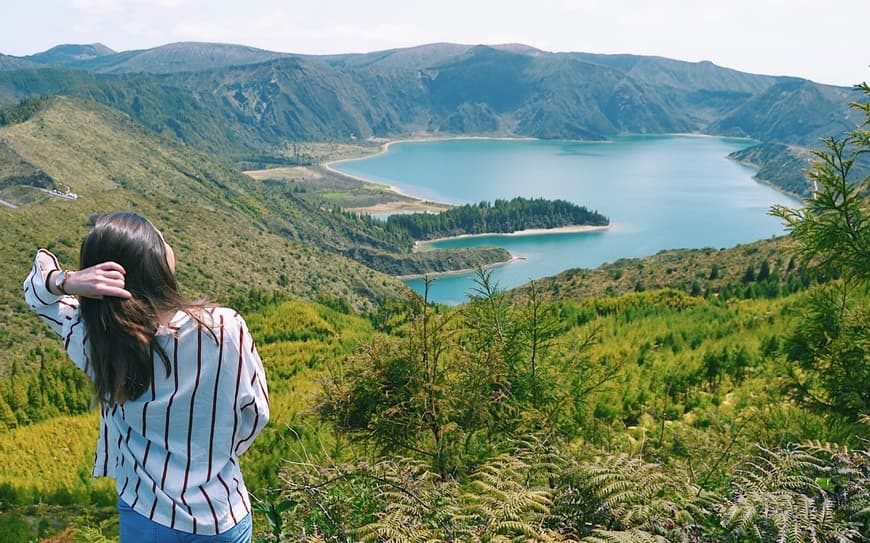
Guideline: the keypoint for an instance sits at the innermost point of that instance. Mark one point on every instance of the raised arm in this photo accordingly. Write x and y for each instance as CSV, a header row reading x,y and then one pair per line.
x,y
56,303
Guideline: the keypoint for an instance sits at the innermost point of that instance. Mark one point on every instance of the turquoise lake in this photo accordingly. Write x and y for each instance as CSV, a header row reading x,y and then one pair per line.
x,y
660,192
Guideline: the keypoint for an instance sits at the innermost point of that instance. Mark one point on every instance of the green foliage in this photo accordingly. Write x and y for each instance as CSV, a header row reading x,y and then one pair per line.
x,y
608,497
54,388
831,235
689,431
402,393
754,271
830,352
456,380
501,216
20,112
15,529
537,492
831,232
805,492
399,500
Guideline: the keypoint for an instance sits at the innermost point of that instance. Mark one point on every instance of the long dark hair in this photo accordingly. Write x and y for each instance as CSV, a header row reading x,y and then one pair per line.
x,y
123,332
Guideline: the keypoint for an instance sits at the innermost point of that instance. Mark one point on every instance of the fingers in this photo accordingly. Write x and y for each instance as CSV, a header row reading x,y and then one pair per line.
x,y
116,292
111,266
99,280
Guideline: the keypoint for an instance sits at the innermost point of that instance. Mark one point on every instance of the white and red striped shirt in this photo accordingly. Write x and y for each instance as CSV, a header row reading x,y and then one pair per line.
x,y
173,452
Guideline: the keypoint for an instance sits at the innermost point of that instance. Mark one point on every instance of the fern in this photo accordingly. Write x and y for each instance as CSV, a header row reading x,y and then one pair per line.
x,y
779,495
628,536
621,494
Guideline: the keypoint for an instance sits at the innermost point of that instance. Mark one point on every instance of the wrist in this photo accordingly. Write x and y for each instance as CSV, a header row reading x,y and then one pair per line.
x,y
60,282
48,281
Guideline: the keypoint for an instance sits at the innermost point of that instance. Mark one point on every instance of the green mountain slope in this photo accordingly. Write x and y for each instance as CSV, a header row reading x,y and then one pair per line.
x,y
793,111
71,54
298,99
240,101
780,165
8,62
216,218
677,74
760,269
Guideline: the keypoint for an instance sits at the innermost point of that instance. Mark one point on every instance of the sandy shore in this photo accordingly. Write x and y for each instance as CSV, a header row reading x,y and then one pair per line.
x,y
292,172
416,204
573,229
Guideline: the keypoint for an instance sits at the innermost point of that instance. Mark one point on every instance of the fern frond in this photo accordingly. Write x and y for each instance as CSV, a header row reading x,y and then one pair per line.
x,y
627,536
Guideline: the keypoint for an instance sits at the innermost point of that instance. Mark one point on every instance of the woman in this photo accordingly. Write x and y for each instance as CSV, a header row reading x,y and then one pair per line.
x,y
180,385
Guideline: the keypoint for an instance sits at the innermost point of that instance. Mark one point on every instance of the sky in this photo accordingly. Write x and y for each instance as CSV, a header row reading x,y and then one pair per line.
x,y
822,40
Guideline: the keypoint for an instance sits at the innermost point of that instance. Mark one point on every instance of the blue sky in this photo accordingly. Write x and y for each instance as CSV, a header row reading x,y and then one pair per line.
x,y
821,40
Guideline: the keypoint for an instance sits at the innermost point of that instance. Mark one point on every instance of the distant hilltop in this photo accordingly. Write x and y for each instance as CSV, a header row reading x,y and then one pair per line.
x,y
241,101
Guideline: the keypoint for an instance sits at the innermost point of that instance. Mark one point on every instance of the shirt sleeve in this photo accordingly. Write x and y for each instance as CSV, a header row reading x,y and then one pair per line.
x,y
252,399
61,313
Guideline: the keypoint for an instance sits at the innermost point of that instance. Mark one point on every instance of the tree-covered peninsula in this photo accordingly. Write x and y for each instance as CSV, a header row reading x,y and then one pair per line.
x,y
499,217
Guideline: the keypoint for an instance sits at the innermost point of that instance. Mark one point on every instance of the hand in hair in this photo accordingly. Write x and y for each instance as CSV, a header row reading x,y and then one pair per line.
x,y
103,279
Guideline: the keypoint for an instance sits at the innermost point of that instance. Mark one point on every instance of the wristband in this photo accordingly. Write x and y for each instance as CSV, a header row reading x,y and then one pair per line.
x,y
48,280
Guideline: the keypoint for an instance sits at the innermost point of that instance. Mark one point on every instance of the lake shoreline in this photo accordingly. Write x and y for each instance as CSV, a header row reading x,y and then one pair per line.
x,y
428,206
648,229
422,204
511,260
570,229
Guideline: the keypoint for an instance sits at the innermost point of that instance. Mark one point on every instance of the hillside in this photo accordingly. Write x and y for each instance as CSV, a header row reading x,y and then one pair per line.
x,y
215,217
651,390
242,102
782,166
8,62
792,111
761,269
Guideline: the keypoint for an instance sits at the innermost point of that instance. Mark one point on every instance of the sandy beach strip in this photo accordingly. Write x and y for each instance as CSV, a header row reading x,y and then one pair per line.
x,y
571,229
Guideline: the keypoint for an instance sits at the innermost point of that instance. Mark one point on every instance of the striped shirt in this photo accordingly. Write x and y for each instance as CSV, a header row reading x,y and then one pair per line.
x,y
173,452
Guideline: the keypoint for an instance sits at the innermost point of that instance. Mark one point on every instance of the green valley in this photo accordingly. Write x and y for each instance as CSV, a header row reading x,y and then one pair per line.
x,y
243,102
696,395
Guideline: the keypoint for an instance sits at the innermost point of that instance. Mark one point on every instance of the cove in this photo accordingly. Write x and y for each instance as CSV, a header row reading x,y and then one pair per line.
x,y
660,192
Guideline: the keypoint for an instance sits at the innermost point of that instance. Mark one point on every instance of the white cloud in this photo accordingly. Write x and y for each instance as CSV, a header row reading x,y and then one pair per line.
x,y
113,6
160,3
373,33
98,6
204,31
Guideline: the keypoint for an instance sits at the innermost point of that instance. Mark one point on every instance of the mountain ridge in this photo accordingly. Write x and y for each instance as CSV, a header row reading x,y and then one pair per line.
x,y
238,100
70,53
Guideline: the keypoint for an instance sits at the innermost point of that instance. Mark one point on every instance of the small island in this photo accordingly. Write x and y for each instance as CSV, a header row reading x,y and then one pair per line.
x,y
503,217
499,217
399,245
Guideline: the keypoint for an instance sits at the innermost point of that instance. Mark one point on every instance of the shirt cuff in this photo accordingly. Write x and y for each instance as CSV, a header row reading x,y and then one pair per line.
x,y
45,262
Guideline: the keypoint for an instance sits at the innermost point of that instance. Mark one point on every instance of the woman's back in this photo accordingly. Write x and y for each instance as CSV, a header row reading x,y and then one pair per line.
x,y
180,384
184,434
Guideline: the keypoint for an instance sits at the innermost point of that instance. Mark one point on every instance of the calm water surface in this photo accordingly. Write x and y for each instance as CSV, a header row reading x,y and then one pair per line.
x,y
660,192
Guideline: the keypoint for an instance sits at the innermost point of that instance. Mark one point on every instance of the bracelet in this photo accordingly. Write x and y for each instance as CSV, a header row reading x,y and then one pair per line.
x,y
61,286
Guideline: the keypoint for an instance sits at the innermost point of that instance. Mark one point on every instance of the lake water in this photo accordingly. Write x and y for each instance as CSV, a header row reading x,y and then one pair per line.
x,y
660,192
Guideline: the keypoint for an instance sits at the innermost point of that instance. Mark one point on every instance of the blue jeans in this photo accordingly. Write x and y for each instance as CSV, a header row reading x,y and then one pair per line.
x,y
136,528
